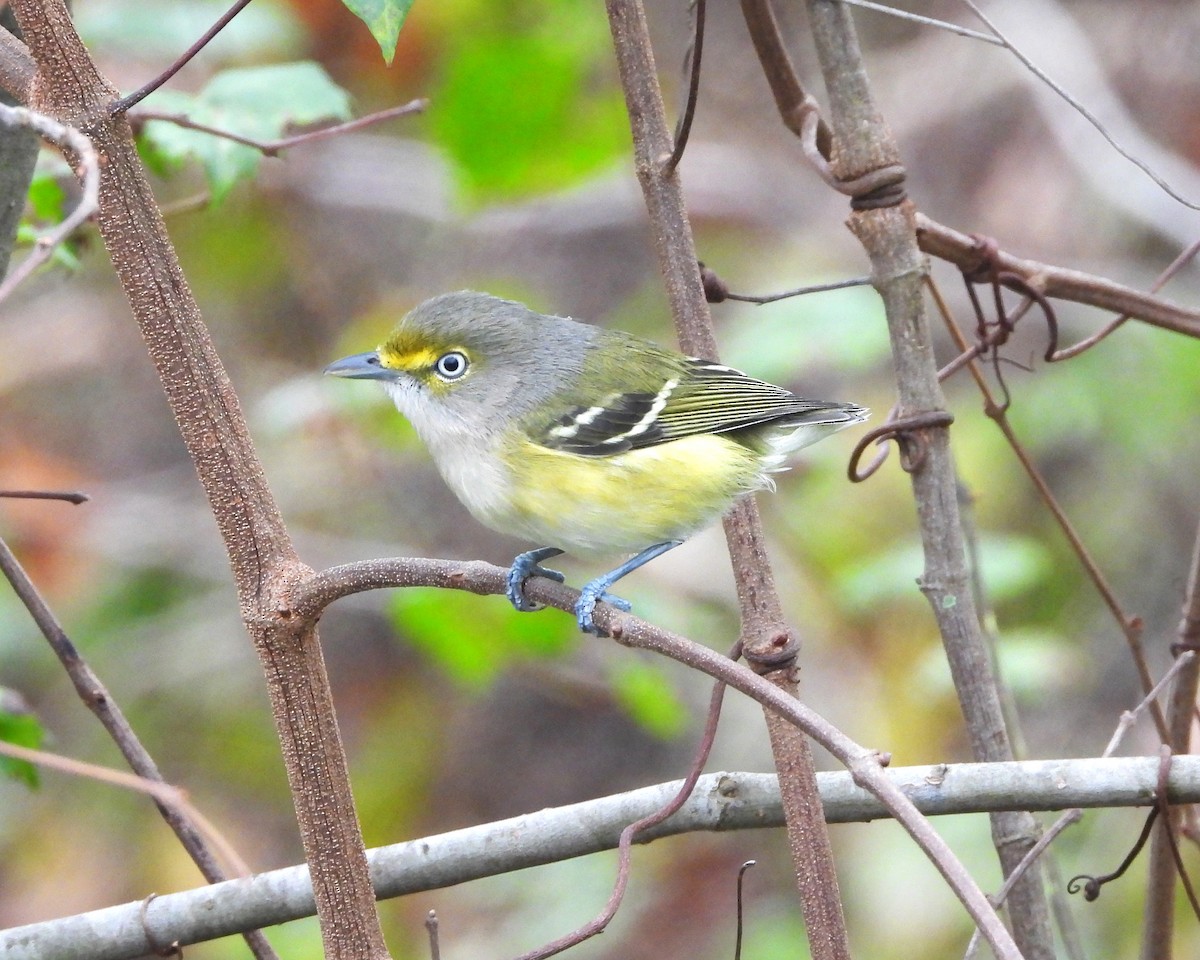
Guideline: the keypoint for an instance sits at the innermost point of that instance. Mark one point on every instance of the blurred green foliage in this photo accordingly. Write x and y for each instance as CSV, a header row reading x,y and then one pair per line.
x,y
259,103
474,638
46,208
526,102
646,691
159,33
24,730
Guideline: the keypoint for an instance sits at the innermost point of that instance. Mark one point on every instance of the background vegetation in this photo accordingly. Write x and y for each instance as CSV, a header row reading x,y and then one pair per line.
x,y
518,180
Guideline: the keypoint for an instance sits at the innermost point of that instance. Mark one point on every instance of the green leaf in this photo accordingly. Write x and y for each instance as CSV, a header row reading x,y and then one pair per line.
x,y
646,693
383,18
24,730
523,114
47,197
472,639
1012,566
259,103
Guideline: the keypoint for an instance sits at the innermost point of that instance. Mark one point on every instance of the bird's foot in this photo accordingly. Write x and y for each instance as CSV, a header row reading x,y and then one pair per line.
x,y
592,594
528,565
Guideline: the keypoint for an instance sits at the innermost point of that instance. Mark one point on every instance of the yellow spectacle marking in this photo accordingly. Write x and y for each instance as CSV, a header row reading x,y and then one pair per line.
x,y
407,357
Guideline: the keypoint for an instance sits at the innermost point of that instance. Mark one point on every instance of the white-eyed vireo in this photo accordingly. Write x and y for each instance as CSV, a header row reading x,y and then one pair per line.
x,y
587,440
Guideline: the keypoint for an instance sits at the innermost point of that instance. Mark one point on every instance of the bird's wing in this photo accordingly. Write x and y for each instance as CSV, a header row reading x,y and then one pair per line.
x,y
703,397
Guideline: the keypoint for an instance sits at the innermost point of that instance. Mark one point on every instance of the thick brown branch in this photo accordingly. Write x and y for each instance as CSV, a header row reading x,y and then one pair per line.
x,y
16,67
69,87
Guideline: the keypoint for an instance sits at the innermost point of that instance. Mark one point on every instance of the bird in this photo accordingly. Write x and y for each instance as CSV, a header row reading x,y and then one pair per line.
x,y
583,439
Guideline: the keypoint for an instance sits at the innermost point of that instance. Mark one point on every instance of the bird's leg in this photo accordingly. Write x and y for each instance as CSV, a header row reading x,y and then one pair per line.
x,y
597,590
528,565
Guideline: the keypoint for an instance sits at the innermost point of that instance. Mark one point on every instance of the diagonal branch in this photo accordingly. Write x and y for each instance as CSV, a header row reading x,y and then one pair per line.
x,y
768,643
206,409
96,698
68,138
864,765
182,61
1059,282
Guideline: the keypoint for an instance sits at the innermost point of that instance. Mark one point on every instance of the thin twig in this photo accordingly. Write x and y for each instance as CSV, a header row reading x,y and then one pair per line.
x,y
1131,627
1184,661
164,794
431,927
272,148
737,944
684,127
925,21
1083,111
630,833
716,291
96,698
69,496
1059,283
1185,257
122,105
74,142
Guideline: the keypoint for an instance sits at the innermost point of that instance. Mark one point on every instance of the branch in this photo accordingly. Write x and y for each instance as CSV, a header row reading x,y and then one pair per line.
x,y
885,226
16,67
1059,282
122,105
767,641
721,801
272,148
863,764
214,431
164,795
96,698
1130,626
73,142
1160,887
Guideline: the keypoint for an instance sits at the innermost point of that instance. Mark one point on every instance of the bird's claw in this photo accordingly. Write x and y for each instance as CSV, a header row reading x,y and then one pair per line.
x,y
591,595
525,566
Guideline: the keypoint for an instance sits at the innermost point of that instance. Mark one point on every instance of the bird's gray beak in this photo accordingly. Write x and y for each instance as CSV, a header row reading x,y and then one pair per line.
x,y
361,366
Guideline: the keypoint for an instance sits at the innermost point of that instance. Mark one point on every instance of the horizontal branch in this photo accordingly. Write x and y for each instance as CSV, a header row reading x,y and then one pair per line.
x,y
721,801
1058,282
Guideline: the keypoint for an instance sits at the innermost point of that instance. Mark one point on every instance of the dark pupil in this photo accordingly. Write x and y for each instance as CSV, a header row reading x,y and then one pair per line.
x,y
451,364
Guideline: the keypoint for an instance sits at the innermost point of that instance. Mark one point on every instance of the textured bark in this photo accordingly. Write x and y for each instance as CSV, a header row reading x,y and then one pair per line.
x,y
863,143
68,86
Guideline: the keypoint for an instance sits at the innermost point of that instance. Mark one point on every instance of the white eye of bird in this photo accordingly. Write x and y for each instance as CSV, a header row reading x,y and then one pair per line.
x,y
452,365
